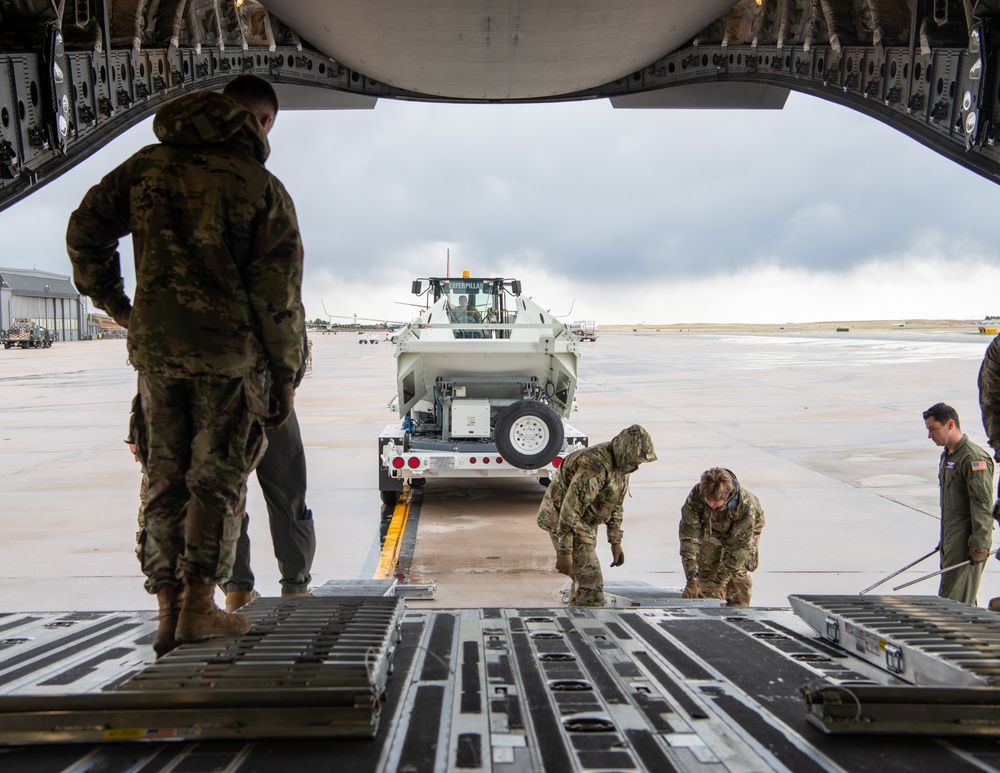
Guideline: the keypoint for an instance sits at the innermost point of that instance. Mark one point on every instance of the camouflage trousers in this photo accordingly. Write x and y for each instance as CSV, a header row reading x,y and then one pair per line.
x,y
738,589
198,439
588,581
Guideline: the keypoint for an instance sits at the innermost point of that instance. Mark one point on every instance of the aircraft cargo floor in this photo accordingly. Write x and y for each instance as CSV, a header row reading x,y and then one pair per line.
x,y
673,688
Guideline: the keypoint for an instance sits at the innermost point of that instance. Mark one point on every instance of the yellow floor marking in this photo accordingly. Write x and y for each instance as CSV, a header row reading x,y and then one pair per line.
x,y
394,538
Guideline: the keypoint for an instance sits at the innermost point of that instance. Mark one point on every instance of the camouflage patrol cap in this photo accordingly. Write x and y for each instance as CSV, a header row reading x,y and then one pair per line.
x,y
633,446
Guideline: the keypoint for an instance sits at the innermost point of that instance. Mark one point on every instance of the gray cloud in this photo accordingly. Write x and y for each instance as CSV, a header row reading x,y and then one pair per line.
x,y
584,191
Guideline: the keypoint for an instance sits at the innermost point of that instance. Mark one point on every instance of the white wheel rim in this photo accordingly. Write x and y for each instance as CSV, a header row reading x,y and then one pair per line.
x,y
529,434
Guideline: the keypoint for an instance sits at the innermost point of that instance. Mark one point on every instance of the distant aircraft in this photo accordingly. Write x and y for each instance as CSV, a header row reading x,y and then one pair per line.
x,y
367,321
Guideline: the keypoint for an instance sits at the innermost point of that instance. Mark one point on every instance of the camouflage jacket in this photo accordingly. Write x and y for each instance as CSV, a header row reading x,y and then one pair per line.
x,y
590,487
719,544
989,393
218,257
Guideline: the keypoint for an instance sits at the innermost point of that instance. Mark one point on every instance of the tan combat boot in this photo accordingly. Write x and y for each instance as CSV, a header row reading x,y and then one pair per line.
x,y
240,598
201,620
168,598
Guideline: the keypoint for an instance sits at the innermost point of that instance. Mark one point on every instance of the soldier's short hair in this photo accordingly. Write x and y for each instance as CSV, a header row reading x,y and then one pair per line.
x,y
941,412
716,483
252,92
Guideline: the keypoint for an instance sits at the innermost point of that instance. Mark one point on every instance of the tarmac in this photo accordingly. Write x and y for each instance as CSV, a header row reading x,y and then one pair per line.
x,y
825,428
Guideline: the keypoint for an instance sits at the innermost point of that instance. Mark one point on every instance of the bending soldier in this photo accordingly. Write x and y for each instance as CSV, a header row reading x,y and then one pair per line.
x,y
587,491
720,538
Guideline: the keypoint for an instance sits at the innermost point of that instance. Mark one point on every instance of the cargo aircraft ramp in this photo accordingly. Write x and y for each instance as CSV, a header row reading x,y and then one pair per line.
x,y
352,680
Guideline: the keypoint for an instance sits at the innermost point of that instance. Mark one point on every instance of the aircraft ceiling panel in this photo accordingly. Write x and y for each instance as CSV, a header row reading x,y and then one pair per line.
x,y
707,96
496,49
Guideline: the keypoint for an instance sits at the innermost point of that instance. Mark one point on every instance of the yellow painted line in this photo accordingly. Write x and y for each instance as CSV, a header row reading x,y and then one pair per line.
x,y
394,537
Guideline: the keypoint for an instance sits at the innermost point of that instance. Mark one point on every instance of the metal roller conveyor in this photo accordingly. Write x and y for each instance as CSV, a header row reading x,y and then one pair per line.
x,y
923,640
309,667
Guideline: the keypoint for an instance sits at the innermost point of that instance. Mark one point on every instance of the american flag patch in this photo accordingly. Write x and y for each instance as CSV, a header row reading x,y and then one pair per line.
x,y
978,466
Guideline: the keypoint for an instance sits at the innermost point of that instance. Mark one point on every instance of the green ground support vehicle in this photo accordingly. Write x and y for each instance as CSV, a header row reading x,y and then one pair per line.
x,y
27,335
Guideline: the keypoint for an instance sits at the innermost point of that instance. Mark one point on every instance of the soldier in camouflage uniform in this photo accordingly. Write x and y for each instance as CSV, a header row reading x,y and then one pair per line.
x,y
720,536
588,490
965,478
281,474
989,404
214,331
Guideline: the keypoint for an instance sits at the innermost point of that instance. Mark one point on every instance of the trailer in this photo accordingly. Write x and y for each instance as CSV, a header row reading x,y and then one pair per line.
x,y
485,381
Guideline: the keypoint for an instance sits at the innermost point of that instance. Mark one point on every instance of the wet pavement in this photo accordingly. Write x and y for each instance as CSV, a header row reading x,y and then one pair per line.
x,y
825,429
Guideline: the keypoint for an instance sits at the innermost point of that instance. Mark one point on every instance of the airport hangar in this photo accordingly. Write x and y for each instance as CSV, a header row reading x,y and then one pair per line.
x,y
48,300
75,75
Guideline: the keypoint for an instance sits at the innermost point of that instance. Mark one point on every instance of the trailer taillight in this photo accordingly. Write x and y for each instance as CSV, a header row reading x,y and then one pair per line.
x,y
397,462
414,462
557,462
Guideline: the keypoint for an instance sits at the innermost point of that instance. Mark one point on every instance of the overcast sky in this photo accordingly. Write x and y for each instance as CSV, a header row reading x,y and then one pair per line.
x,y
806,214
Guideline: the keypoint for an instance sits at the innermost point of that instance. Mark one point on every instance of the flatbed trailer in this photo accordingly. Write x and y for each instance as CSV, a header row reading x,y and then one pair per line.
x,y
656,684
485,382
404,460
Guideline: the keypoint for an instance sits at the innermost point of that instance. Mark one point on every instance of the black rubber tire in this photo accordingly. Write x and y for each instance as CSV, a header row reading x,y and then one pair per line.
x,y
389,498
417,482
528,434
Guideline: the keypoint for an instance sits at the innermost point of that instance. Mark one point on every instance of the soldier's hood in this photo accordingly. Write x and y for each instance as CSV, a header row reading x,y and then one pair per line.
x,y
206,117
632,445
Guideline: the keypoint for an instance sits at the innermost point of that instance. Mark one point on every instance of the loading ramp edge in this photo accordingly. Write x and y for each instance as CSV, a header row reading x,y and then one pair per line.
x,y
621,688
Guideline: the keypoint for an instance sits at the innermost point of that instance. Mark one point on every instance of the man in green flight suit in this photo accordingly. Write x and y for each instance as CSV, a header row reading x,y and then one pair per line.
x,y
965,477
587,491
